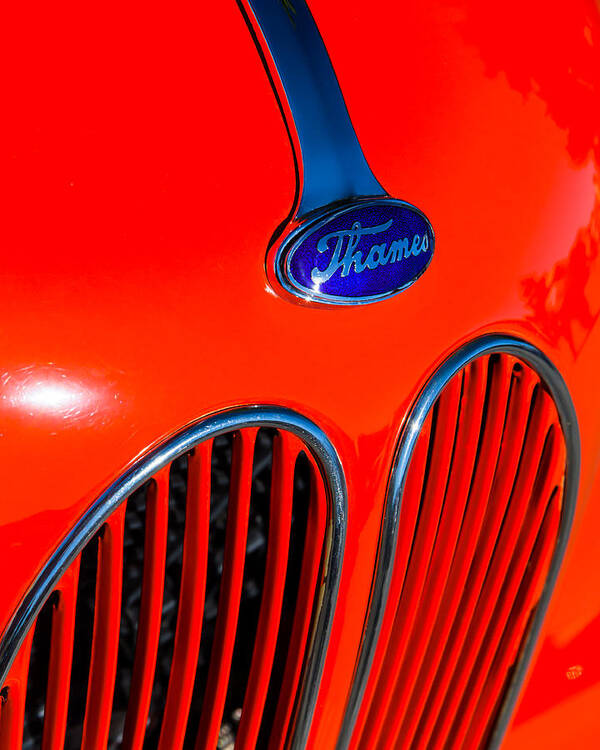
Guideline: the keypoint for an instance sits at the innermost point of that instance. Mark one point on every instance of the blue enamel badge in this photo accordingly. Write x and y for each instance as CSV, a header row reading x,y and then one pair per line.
x,y
358,253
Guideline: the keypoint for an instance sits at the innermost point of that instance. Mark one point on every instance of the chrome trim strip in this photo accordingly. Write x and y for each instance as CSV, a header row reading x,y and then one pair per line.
x,y
256,416
334,165
489,344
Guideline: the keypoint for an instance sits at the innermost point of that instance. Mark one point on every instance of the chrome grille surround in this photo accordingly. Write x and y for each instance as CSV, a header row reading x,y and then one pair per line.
x,y
214,426
485,345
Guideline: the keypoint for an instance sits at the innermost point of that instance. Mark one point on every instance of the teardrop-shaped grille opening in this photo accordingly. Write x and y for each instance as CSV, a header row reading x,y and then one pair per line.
x,y
479,520
173,626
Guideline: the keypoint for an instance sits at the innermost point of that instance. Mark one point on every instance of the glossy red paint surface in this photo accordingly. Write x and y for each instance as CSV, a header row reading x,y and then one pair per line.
x,y
144,169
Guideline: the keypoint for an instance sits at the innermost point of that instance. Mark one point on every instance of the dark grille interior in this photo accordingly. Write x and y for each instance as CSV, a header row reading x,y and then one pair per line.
x,y
279,475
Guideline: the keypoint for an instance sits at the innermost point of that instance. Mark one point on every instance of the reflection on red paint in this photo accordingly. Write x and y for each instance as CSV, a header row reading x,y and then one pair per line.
x,y
560,299
550,52
562,69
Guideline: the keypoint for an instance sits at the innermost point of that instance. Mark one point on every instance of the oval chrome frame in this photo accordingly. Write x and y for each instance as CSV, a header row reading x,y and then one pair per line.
x,y
254,416
489,344
290,244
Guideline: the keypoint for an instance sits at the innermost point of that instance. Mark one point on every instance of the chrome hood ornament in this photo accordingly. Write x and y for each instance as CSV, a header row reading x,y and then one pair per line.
x,y
346,240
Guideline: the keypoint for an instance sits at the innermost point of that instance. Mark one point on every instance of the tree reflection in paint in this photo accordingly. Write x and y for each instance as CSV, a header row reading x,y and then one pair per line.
x,y
553,52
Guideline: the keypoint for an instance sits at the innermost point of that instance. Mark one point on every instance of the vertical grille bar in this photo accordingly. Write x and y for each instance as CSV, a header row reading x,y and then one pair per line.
x,y
508,462
512,577
191,602
155,547
435,487
105,642
528,594
285,452
499,377
13,698
61,659
231,587
409,514
541,420
309,575
455,499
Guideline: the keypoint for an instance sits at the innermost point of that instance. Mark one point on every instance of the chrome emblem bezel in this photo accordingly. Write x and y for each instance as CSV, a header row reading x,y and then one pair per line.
x,y
315,226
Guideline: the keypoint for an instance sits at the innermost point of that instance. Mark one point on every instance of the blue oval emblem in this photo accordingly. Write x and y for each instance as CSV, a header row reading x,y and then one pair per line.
x,y
359,253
